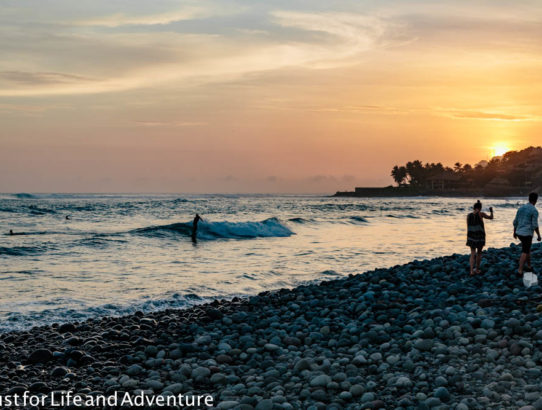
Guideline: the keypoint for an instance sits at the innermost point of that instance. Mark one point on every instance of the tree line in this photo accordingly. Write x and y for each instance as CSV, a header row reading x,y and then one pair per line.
x,y
517,167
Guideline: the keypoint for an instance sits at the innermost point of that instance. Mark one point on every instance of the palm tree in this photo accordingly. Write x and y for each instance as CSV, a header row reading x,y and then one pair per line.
x,y
415,172
399,174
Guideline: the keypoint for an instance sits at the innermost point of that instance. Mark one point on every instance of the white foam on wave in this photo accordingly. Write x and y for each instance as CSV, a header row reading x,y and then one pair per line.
x,y
268,228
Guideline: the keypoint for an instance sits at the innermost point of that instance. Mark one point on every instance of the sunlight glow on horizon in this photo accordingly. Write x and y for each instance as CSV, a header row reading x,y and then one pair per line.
x,y
499,149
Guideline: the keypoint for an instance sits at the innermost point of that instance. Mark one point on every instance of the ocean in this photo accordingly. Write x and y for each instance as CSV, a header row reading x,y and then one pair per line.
x,y
117,254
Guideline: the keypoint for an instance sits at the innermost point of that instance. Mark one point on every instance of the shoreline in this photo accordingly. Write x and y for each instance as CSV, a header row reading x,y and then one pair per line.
x,y
422,194
420,334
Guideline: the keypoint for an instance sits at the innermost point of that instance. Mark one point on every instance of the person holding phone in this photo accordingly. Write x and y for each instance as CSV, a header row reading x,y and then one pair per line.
x,y
476,236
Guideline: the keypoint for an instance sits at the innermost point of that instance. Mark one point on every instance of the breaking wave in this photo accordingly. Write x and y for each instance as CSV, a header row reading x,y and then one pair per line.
x,y
221,230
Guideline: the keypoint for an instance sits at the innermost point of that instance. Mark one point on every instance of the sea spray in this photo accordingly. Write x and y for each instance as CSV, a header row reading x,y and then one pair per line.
x,y
267,228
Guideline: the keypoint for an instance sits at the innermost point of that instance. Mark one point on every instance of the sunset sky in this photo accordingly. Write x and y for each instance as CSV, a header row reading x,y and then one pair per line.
x,y
246,96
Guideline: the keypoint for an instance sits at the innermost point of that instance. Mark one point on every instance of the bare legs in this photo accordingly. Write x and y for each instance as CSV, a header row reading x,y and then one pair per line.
x,y
472,260
475,260
525,257
478,260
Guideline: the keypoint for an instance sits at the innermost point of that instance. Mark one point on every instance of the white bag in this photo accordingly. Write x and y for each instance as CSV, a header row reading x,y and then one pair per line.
x,y
530,279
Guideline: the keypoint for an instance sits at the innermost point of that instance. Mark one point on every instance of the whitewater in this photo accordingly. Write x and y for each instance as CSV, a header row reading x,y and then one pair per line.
x,y
82,256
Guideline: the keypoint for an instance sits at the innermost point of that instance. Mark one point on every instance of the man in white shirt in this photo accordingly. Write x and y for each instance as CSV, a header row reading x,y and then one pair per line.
x,y
525,224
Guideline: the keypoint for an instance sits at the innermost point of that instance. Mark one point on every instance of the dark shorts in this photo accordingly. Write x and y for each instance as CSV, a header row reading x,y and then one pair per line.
x,y
526,243
476,245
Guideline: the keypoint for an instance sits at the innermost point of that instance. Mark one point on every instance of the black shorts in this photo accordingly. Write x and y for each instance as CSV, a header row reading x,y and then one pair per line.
x,y
526,243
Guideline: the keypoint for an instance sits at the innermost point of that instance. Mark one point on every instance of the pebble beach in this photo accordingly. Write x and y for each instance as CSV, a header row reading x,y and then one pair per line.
x,y
420,335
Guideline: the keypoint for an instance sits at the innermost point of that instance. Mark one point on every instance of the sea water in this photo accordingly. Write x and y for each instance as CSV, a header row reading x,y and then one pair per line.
x,y
116,254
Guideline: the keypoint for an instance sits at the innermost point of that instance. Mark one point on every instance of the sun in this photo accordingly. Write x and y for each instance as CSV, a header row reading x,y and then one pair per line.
x,y
499,149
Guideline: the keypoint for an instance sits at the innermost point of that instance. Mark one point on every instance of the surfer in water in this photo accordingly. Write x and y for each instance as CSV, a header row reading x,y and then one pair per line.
x,y
15,233
197,218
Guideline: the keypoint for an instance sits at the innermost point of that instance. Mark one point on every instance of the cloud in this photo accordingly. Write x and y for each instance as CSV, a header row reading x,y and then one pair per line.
x,y
168,123
121,19
23,108
253,32
368,109
488,116
450,113
110,62
345,34
360,28
40,78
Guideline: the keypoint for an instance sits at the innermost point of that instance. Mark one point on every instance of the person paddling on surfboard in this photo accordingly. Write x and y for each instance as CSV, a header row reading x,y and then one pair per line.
x,y
197,218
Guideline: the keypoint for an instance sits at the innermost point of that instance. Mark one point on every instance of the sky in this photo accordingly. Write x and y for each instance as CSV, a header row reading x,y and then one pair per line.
x,y
269,97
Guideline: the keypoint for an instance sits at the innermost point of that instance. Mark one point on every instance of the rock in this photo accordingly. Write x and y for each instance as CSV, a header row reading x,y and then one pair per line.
x,y
345,395
59,372
424,345
214,314
356,390
441,381
403,382
392,360
224,358
442,394
74,341
432,402
302,364
359,360
40,356
378,404
320,395
376,357
200,373
538,404
134,370
228,404
218,378
39,387
515,349
367,397
204,340
156,385
130,383
175,388
321,380
18,389
531,396
265,404
487,324
66,327
270,347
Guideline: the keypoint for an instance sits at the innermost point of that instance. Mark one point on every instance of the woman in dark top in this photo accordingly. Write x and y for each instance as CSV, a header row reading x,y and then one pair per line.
x,y
476,235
